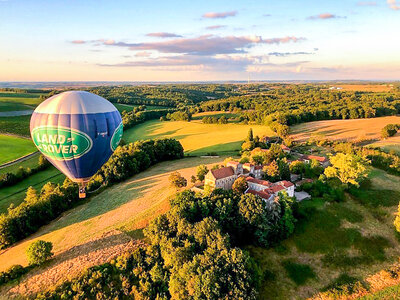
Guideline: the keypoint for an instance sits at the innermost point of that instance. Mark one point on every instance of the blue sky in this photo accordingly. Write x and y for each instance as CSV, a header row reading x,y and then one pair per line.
x,y
54,40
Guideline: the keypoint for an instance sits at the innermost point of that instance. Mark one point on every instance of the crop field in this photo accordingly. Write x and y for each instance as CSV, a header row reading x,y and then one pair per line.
x,y
30,99
352,240
197,138
351,130
366,87
116,214
12,147
15,125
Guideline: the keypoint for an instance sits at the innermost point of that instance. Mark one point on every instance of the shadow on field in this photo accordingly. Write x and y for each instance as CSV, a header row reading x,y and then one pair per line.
x,y
220,149
108,200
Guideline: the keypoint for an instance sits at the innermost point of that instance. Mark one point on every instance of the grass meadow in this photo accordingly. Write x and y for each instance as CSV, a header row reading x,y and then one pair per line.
x,y
334,243
12,147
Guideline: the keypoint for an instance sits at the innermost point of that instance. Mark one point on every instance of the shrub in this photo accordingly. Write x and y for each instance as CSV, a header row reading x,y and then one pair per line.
x,y
38,252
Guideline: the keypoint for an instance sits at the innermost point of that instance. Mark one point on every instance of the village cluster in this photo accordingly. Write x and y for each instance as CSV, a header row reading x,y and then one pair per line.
x,y
225,177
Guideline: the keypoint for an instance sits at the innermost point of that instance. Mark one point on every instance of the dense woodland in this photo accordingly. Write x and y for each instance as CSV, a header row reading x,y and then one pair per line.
x,y
304,103
193,252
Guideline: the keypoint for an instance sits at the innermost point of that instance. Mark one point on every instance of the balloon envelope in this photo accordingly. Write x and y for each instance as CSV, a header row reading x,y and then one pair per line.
x,y
77,132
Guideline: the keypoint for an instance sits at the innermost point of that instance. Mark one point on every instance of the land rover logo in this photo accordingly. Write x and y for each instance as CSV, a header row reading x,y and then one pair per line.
x,y
116,138
61,143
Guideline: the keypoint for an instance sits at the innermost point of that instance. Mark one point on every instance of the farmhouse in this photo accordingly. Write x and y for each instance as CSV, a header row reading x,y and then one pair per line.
x,y
268,190
222,178
225,177
321,159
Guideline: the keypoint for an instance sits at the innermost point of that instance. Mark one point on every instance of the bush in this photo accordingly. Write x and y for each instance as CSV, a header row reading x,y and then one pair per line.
x,y
389,130
12,273
38,252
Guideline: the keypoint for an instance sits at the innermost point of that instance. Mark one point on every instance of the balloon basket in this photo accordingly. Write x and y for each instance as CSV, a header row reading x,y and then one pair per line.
x,y
82,191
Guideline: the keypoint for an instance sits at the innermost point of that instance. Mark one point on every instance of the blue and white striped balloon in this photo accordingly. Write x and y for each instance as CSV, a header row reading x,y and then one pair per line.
x,y
77,132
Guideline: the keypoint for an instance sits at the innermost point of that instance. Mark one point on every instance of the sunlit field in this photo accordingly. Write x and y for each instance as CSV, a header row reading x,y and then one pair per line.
x,y
12,147
197,138
352,130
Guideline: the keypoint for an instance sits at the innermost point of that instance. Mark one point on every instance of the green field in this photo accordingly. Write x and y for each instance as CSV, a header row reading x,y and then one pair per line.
x,y
15,125
12,147
195,137
15,194
31,162
28,99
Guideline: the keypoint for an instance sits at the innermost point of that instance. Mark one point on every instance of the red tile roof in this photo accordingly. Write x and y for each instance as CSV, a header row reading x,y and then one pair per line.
x,y
258,167
285,147
275,188
258,181
286,183
262,194
222,172
318,158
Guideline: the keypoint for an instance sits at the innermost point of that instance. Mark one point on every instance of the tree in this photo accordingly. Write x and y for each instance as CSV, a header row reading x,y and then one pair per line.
x,y
201,172
177,180
31,195
389,130
297,167
397,219
39,251
257,159
248,145
271,171
240,185
254,213
349,168
250,135
193,179
284,171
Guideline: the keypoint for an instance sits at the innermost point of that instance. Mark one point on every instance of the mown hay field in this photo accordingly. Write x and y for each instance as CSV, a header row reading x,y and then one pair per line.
x,y
351,130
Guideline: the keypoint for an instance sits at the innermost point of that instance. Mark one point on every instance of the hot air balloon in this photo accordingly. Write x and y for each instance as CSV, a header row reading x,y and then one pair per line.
x,y
77,132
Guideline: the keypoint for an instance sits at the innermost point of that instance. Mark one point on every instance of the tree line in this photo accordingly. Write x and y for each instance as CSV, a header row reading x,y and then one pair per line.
x,y
39,208
9,179
289,105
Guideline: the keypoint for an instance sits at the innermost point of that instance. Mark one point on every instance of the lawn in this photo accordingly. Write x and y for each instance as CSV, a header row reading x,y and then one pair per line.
x,y
334,242
197,138
12,147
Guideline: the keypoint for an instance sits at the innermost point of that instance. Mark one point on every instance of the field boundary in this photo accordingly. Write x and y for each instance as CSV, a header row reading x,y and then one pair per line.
x,y
22,158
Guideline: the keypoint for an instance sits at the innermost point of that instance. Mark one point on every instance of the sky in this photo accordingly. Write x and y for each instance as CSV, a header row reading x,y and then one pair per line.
x,y
112,40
